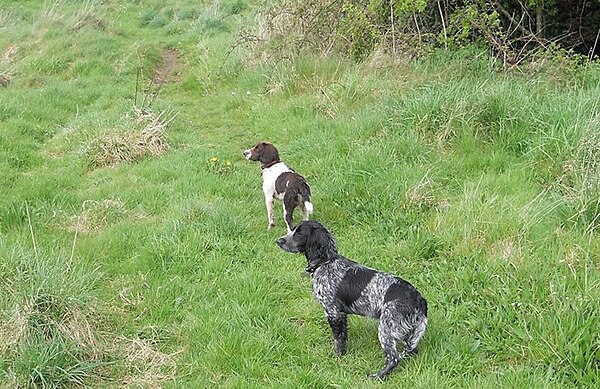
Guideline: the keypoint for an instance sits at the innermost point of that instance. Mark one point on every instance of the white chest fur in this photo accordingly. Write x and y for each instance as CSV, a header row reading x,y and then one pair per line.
x,y
270,175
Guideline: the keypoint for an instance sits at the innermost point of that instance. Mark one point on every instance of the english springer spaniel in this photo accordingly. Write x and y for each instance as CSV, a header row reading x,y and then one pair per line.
x,y
282,183
343,286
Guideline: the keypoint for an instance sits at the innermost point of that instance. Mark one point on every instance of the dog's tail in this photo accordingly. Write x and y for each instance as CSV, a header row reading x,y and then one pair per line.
x,y
308,206
415,334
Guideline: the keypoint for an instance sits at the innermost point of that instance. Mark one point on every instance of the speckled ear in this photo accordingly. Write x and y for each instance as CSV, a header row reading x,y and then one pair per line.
x,y
320,247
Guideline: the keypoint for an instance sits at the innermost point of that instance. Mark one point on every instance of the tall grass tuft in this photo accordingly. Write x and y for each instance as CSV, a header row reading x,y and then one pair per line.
x,y
53,325
51,344
48,327
145,136
580,183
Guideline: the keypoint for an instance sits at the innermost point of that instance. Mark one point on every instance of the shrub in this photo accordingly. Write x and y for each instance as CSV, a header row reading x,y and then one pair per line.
x,y
356,28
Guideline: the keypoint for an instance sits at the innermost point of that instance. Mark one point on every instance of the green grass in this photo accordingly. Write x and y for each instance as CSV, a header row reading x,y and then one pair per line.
x,y
480,187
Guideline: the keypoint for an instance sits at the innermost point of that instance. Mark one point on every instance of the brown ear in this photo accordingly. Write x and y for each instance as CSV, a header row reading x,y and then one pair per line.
x,y
269,153
258,147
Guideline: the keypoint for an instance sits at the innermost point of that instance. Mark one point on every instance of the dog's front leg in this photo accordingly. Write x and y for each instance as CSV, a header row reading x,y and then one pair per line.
x,y
338,321
269,203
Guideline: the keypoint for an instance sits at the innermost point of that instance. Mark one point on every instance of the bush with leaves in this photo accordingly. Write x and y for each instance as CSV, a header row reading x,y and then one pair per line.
x,y
355,28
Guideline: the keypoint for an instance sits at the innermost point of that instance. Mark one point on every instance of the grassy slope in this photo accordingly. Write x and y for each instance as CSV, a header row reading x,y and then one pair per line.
x,y
478,187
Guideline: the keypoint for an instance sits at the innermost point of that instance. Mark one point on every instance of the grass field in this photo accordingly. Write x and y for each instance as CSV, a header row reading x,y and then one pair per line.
x,y
133,243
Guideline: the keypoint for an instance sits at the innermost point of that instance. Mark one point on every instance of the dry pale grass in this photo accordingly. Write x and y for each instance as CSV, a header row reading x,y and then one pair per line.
x,y
6,65
587,170
509,249
9,54
422,195
86,16
145,138
6,20
97,214
45,313
5,79
89,20
290,27
588,151
12,328
579,184
148,367
140,362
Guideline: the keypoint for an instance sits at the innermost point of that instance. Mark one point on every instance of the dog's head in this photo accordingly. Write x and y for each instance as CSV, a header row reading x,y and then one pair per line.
x,y
264,152
314,240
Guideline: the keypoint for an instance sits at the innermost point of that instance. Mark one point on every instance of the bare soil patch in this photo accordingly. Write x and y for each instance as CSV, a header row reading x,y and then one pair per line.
x,y
166,67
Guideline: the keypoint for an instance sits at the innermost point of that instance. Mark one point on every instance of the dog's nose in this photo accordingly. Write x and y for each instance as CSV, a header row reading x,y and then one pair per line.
x,y
280,242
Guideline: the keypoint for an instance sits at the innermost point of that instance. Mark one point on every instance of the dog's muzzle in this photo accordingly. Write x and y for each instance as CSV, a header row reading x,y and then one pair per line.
x,y
247,154
286,244
281,242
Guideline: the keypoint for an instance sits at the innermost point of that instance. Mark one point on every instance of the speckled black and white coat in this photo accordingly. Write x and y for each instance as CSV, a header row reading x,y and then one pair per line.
x,y
345,287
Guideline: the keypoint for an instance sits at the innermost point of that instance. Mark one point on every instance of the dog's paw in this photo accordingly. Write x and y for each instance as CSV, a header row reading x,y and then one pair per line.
x,y
376,376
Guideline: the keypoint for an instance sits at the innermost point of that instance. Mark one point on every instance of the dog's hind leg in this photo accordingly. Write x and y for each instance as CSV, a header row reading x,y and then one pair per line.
x,y
389,344
304,210
288,211
396,324
338,321
306,207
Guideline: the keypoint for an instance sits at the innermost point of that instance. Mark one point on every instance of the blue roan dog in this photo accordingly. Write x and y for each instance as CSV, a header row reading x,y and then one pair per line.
x,y
343,286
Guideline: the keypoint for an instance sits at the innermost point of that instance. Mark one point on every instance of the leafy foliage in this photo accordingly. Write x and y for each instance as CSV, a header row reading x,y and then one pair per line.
x,y
358,28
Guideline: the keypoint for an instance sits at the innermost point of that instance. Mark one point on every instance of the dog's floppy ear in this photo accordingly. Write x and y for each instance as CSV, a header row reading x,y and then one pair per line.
x,y
320,247
268,154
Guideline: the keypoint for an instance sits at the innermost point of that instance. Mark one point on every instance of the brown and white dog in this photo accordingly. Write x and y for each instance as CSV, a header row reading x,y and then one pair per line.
x,y
280,182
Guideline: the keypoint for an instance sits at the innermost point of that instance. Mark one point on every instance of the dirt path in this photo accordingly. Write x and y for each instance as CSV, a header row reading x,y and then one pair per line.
x,y
165,67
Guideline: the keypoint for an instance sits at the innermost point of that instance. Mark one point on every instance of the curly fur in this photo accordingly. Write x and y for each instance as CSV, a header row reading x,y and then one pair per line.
x,y
345,287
